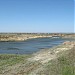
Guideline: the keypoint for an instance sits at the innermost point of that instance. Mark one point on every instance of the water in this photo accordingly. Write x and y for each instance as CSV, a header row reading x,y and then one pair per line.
x,y
29,46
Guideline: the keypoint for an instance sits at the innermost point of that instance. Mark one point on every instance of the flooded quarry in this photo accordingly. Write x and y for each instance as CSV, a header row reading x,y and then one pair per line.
x,y
40,55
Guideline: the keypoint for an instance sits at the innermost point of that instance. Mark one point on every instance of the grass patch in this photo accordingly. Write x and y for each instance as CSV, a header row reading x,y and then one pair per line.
x,y
63,65
11,59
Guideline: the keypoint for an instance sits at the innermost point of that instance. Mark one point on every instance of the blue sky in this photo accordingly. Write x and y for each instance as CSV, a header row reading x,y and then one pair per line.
x,y
37,16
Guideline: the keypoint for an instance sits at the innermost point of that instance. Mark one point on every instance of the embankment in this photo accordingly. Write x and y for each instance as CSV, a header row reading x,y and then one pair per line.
x,y
26,36
44,62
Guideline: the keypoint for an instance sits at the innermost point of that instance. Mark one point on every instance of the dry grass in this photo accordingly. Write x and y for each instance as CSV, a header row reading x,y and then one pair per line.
x,y
63,65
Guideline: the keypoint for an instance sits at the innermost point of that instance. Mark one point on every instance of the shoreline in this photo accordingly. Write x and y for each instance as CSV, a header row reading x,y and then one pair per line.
x,y
39,50
32,64
7,37
46,55
69,44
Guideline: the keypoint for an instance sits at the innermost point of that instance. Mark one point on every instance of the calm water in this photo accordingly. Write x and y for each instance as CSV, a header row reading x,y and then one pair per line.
x,y
29,46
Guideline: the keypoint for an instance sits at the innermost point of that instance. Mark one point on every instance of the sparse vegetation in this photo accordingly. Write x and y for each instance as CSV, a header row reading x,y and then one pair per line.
x,y
63,64
11,59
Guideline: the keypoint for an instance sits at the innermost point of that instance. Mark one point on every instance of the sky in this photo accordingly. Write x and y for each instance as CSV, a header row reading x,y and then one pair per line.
x,y
32,16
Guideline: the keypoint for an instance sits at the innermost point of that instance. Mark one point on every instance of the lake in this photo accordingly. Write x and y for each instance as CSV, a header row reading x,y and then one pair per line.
x,y
29,46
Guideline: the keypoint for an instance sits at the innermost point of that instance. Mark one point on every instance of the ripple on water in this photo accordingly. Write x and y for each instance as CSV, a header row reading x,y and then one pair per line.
x,y
12,48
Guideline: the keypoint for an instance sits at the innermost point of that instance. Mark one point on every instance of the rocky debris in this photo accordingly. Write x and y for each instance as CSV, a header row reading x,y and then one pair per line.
x,y
69,43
